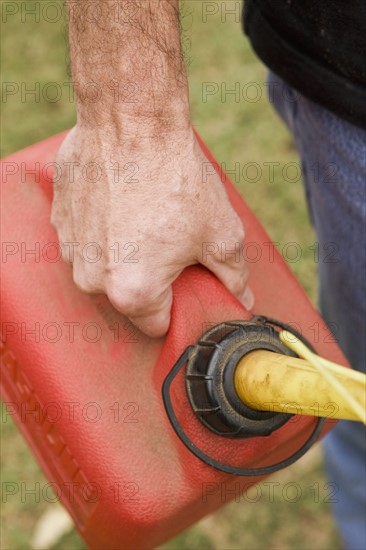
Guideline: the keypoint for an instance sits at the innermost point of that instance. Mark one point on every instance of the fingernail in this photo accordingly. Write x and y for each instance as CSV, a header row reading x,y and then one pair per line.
x,y
248,298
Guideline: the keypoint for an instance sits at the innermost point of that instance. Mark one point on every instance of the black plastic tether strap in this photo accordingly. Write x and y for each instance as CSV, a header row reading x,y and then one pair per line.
x,y
234,470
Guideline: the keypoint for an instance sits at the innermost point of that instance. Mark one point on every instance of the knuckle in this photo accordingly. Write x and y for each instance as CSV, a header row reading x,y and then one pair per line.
x,y
66,256
129,297
82,281
237,230
238,284
155,325
240,233
231,224
55,217
140,295
59,221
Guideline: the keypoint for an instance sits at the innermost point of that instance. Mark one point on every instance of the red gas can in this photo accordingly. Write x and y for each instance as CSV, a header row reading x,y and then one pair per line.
x,y
85,387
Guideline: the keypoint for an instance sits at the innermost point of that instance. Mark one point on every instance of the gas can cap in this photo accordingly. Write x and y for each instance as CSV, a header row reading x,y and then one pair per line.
x,y
210,379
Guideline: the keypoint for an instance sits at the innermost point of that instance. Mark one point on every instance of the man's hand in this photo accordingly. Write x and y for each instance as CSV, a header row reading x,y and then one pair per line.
x,y
133,179
148,220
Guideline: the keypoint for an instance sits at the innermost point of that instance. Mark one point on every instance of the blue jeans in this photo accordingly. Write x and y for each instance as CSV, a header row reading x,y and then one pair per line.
x,y
333,156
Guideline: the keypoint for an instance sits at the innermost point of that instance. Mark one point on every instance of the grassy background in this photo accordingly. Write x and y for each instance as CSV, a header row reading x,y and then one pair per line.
x,y
237,131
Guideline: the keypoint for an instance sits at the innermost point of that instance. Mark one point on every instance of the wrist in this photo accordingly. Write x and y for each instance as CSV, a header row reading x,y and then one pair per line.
x,y
149,122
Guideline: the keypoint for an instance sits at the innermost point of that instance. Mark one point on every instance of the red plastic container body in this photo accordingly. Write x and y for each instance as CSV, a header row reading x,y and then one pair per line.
x,y
85,387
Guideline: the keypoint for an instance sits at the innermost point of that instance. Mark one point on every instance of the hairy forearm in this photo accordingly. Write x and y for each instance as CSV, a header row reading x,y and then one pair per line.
x,y
127,63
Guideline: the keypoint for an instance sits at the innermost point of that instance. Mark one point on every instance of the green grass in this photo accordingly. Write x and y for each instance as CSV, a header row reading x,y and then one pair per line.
x,y
237,132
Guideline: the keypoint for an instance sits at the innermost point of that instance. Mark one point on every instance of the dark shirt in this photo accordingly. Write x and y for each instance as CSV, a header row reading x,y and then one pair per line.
x,y
317,46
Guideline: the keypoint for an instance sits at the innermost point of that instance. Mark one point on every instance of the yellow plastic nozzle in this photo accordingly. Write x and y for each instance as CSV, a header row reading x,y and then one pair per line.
x,y
310,385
